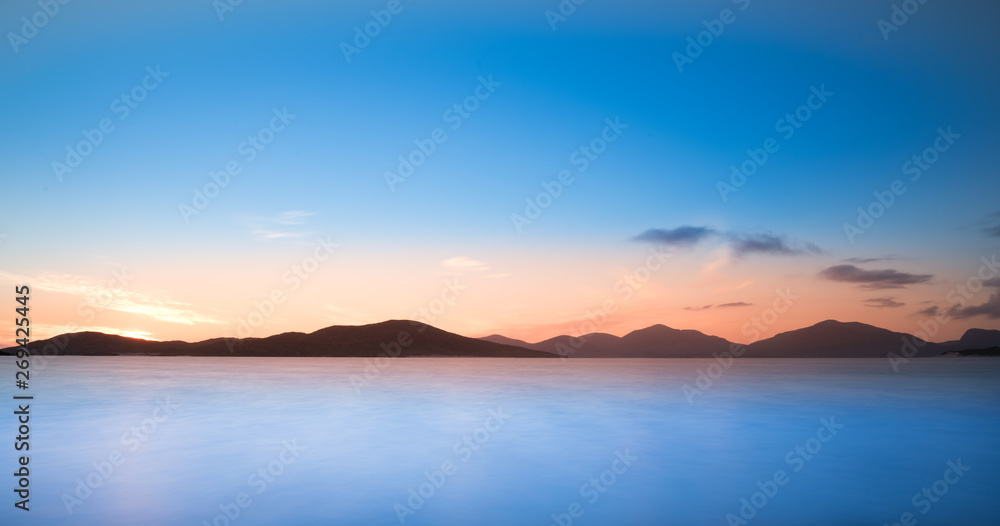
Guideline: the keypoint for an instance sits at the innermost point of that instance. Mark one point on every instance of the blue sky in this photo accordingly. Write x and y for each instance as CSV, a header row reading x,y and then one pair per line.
x,y
354,119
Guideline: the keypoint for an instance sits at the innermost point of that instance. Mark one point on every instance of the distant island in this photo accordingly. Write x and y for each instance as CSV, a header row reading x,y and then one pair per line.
x,y
405,338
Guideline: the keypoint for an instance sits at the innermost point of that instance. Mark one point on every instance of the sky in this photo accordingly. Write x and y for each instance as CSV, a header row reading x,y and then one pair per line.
x,y
193,169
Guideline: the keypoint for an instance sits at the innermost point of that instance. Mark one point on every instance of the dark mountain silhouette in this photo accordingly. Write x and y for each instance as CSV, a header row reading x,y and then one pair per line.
x,y
828,339
974,339
992,351
658,341
405,338
835,339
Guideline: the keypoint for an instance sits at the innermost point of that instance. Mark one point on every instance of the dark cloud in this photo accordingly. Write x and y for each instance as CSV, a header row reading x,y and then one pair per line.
x,y
990,309
873,279
771,244
883,303
682,236
929,311
861,261
703,307
993,230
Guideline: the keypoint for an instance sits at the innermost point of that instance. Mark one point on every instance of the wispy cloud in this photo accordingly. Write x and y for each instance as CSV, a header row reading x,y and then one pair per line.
x,y
464,264
883,303
990,309
770,244
720,306
277,226
101,295
873,279
682,236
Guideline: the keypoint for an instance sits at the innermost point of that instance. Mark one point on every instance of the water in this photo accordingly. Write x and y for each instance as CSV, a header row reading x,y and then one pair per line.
x,y
337,456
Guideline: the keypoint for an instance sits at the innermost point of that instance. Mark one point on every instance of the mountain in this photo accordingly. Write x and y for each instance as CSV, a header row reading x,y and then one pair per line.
x,y
828,339
835,339
402,337
974,339
658,341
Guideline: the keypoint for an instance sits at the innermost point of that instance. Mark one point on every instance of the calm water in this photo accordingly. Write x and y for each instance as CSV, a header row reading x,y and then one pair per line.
x,y
303,446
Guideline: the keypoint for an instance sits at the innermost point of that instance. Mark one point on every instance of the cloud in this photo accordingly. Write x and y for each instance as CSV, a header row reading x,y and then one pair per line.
x,y
720,306
270,227
929,311
464,264
682,236
873,279
115,295
994,230
862,261
883,303
771,244
990,309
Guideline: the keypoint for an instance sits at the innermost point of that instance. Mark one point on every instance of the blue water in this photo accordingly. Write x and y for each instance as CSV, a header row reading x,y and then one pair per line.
x,y
346,456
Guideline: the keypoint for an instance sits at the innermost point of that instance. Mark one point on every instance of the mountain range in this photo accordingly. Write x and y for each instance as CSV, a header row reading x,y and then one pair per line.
x,y
827,339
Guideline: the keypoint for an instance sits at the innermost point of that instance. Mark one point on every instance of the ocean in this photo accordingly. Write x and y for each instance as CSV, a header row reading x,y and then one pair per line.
x,y
484,441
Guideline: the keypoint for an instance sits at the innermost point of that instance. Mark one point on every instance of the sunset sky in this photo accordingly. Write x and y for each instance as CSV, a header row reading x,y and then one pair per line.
x,y
507,95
